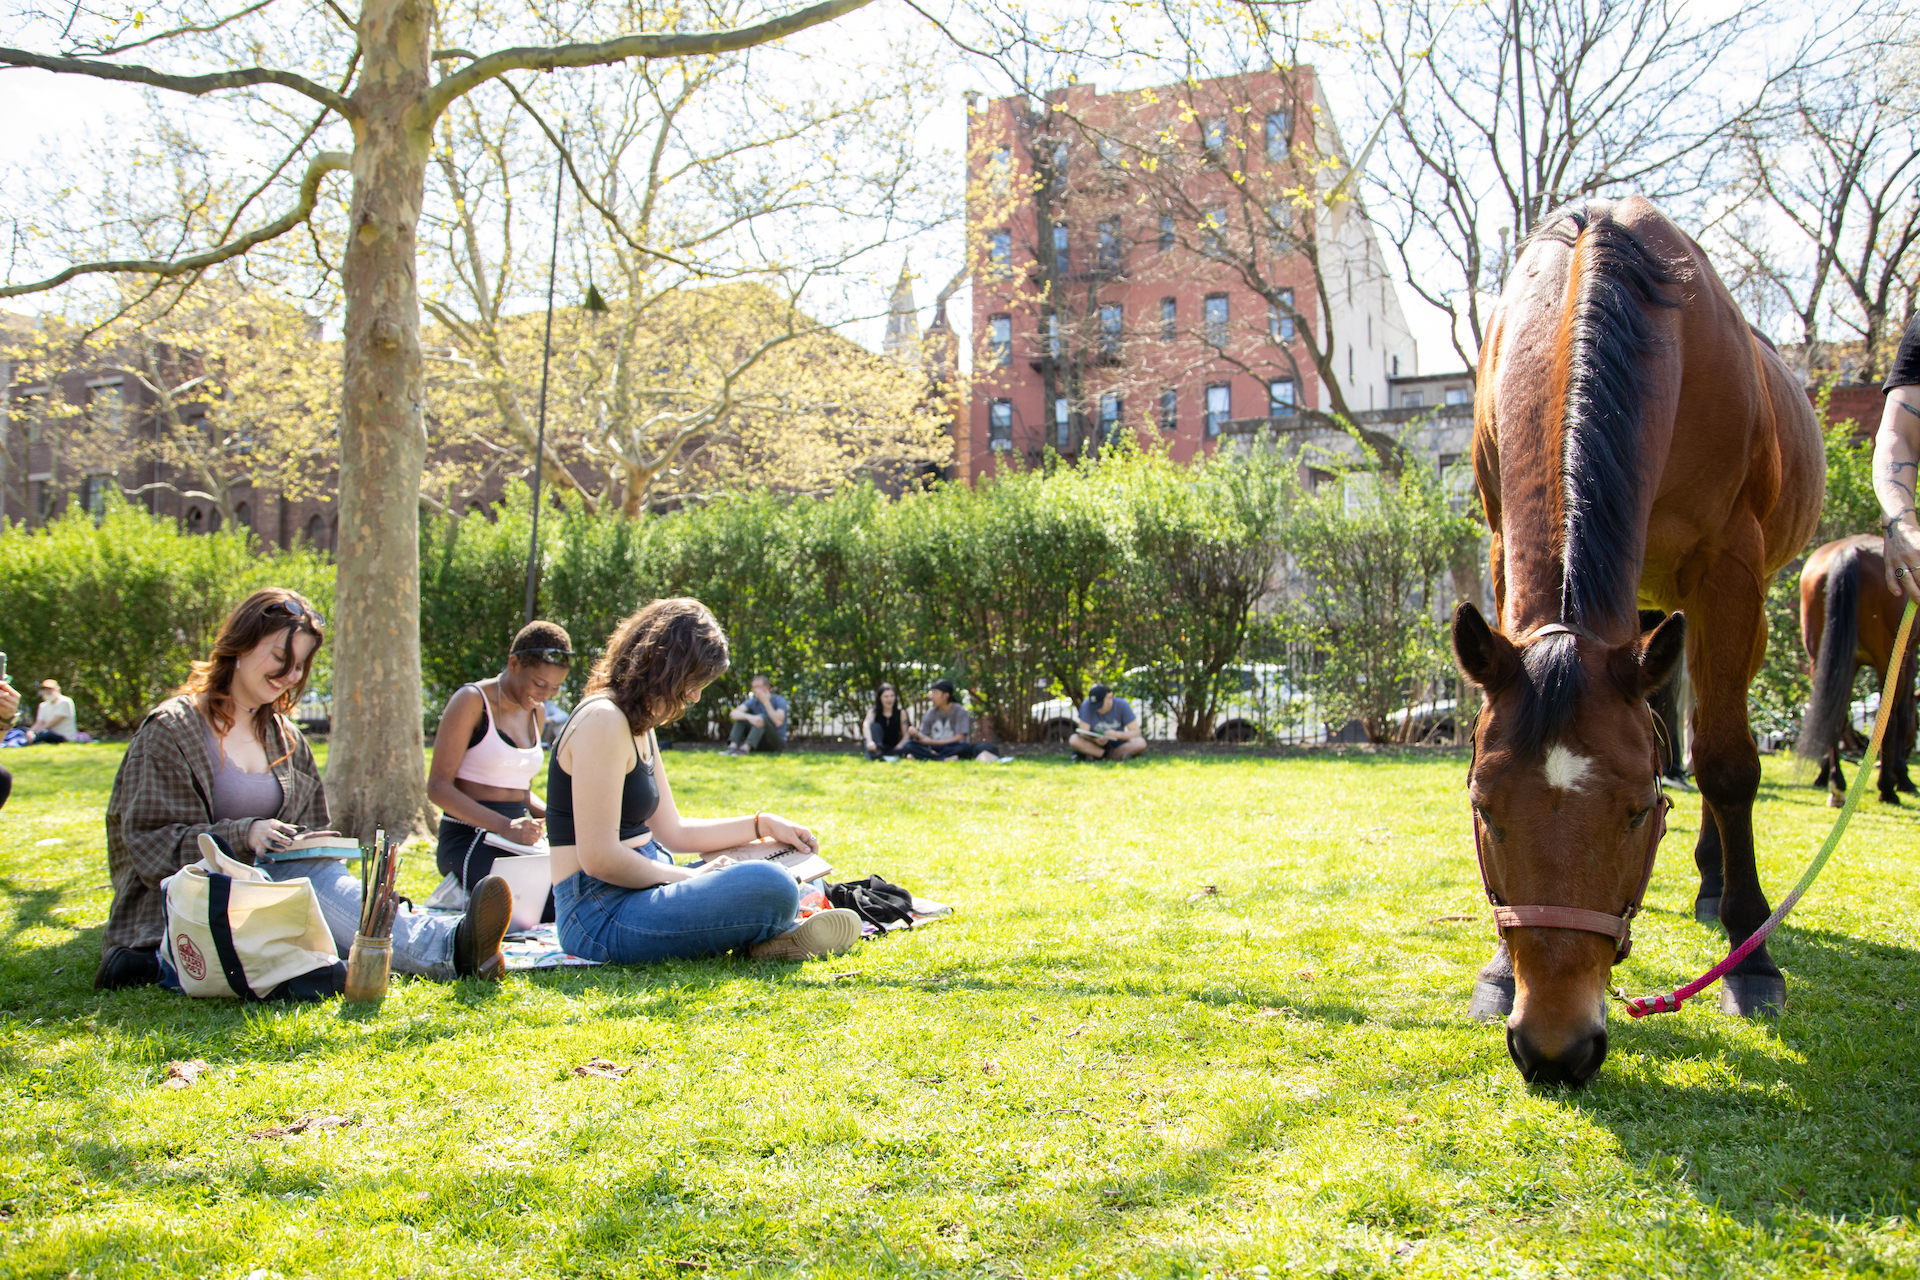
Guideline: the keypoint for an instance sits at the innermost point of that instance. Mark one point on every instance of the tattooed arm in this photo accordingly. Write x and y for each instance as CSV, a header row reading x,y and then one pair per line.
x,y
1896,476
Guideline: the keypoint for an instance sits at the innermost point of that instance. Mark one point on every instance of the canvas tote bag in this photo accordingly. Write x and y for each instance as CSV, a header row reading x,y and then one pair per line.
x,y
234,934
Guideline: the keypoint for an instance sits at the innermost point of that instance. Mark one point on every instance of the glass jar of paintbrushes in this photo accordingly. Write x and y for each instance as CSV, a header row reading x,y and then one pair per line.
x,y
370,960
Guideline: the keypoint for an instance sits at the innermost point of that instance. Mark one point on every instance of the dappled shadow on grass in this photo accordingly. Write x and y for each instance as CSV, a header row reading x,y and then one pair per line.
x,y
1827,1115
33,906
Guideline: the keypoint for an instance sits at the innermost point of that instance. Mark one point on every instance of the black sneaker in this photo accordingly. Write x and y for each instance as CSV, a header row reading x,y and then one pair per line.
x,y
477,938
127,967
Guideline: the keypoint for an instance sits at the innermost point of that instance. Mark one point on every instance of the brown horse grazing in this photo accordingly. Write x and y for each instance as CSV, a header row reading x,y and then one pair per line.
x,y
1635,443
1848,617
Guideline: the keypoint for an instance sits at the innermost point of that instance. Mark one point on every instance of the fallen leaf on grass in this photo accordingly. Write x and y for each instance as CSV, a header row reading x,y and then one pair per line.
x,y
988,1067
1306,973
601,1069
1077,1031
851,973
181,1075
1439,919
1407,1121
1204,891
301,1125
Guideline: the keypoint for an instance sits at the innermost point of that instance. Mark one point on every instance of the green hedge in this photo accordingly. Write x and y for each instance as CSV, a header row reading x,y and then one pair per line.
x,y
116,611
1127,569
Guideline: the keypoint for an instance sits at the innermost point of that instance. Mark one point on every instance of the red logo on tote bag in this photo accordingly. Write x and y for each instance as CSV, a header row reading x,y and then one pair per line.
x,y
190,958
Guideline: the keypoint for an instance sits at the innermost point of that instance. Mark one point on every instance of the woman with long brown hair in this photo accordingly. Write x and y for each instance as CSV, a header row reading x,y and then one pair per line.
x,y
222,757
619,896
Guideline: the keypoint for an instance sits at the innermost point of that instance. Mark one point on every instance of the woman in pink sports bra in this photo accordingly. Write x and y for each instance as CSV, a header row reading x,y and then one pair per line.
x,y
487,751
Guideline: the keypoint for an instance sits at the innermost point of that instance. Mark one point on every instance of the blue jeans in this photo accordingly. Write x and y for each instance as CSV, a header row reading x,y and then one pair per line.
x,y
731,908
422,944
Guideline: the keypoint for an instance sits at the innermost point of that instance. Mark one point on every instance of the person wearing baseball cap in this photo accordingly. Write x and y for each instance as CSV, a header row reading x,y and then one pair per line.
x,y
1106,728
944,731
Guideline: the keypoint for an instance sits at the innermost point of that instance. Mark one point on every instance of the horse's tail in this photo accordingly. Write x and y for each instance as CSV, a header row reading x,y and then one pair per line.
x,y
1607,353
1833,667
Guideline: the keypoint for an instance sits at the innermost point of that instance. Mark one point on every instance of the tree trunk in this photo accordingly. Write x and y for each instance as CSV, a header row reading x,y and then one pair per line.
x,y
376,770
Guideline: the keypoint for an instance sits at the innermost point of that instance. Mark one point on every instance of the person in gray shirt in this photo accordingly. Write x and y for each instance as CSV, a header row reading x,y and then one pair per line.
x,y
944,731
1106,728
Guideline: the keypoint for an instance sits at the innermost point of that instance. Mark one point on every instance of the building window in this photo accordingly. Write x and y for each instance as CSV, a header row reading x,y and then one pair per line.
x,y
93,492
1166,232
1169,415
1277,140
1110,246
1459,395
1109,153
1412,400
1000,341
1214,318
1000,253
1000,425
1000,170
196,520
1213,134
1060,158
1062,423
1109,417
1213,231
1396,367
316,531
1280,220
1169,319
1280,316
1053,336
107,406
1060,247
1282,398
1110,328
243,516
1219,407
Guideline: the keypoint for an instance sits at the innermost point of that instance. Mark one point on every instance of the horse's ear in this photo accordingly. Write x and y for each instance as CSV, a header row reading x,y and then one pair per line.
x,y
1485,656
1642,668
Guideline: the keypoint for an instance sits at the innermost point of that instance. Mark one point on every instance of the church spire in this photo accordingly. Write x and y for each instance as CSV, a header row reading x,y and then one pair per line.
x,y
903,321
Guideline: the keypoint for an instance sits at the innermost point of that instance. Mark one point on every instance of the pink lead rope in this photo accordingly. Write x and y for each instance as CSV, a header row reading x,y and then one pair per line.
x,y
1641,1006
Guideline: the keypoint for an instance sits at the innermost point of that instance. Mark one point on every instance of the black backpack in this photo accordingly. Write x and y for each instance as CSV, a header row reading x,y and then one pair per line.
x,y
877,901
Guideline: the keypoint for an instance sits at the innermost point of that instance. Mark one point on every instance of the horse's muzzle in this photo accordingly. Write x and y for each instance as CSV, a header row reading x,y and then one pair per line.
x,y
1575,1065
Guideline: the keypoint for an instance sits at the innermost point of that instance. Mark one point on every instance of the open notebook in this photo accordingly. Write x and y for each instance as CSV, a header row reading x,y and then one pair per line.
x,y
802,866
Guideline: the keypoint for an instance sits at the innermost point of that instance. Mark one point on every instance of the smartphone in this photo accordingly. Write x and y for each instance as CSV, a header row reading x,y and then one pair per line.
x,y
3,668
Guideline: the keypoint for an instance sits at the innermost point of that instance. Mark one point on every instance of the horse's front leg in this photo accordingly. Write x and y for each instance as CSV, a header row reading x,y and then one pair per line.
x,y
1836,779
1726,638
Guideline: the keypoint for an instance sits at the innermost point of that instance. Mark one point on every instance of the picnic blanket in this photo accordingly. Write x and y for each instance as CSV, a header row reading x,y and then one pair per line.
x,y
539,947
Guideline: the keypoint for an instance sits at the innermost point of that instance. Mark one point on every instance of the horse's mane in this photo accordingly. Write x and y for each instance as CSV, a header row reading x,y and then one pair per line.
x,y
1611,342
1550,684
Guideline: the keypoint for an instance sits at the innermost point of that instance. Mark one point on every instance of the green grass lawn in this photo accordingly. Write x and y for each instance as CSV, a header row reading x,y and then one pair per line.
x,y
1089,1071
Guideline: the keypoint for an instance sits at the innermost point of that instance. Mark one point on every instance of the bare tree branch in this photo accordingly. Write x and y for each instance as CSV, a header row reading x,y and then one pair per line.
x,y
318,167
240,78
690,44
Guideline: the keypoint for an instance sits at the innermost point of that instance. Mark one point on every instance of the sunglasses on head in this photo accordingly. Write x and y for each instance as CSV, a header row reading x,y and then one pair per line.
x,y
554,657
294,609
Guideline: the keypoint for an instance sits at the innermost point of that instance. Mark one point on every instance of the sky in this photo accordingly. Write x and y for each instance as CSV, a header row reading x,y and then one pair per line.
x,y
65,116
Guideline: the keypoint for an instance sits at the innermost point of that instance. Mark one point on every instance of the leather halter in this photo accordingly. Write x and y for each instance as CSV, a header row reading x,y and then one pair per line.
x,y
1618,927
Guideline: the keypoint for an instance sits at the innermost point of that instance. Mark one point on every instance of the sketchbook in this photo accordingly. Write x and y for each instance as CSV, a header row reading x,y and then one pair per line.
x,y
802,866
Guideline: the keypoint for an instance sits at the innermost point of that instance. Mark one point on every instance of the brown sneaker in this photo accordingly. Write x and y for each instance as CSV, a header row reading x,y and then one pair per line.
x,y
476,940
825,933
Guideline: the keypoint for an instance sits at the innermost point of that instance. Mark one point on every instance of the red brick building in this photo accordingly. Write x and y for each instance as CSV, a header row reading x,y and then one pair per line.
x,y
1167,262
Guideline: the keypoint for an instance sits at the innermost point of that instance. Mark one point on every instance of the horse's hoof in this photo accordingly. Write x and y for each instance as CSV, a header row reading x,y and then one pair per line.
x,y
1888,797
1706,910
1836,802
1906,786
1492,999
1753,995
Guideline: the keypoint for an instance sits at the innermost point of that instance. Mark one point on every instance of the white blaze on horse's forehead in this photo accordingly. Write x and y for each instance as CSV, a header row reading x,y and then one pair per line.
x,y
1566,771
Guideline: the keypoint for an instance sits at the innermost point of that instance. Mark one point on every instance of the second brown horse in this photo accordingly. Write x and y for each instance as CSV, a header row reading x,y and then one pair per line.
x,y
1847,618
1635,444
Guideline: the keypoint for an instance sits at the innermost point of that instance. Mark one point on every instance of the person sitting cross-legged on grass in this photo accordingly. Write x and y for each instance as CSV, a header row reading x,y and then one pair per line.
x,y
759,722
618,895
223,757
1106,728
882,731
944,730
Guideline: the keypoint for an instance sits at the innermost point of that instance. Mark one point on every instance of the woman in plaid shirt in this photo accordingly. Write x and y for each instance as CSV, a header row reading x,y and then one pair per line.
x,y
223,757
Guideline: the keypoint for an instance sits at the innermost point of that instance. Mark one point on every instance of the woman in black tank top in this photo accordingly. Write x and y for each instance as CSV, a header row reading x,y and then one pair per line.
x,y
619,897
